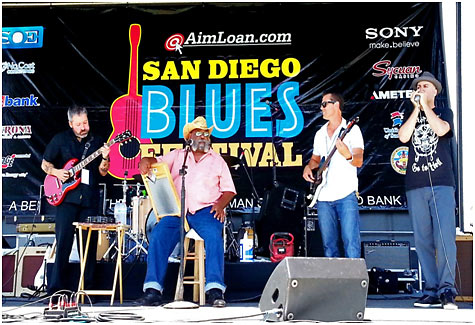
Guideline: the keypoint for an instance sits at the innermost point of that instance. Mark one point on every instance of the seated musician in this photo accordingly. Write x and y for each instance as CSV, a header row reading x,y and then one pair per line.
x,y
209,189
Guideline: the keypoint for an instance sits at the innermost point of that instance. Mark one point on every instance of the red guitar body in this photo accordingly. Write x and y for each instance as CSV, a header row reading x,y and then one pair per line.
x,y
55,190
126,114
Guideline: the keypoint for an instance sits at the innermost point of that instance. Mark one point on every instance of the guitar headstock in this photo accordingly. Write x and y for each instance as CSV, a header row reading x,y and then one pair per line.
x,y
123,136
355,120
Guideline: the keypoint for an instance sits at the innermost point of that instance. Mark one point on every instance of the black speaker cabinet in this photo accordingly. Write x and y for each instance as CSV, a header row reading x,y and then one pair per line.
x,y
317,288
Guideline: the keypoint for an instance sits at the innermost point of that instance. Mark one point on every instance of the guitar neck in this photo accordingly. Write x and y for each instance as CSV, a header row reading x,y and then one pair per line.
x,y
327,159
90,158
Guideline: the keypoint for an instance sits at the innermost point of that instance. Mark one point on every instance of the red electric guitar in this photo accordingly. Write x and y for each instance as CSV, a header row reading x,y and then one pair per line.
x,y
56,190
126,113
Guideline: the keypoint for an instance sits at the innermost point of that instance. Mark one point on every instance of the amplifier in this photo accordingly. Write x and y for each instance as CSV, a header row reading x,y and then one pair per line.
x,y
35,227
386,254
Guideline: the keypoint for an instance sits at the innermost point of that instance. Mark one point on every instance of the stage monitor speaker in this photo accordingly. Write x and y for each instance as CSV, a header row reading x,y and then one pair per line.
x,y
9,262
317,288
30,260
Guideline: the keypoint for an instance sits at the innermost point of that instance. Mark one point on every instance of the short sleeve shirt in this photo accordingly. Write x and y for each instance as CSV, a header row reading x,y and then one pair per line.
x,y
342,177
65,146
429,154
205,181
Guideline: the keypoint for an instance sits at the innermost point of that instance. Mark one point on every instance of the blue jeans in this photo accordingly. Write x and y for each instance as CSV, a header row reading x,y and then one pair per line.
x,y
433,220
166,235
344,213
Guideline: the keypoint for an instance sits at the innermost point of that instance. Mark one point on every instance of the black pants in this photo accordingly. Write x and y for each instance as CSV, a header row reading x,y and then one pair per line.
x,y
66,214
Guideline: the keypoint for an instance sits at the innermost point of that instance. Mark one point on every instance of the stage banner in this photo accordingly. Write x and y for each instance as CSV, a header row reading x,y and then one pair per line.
x,y
256,71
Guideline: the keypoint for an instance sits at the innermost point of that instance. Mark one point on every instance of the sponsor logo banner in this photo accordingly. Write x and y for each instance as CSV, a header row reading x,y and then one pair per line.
x,y
177,41
383,68
18,68
22,37
31,101
16,132
399,159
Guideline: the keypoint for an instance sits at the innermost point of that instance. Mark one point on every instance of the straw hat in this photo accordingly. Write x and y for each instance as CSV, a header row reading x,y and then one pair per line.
x,y
198,123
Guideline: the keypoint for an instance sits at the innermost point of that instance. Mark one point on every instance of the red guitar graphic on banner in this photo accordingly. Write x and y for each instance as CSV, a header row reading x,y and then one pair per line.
x,y
126,114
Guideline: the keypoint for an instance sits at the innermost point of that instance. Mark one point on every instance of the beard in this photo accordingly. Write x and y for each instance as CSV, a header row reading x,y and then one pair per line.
x,y
201,145
82,135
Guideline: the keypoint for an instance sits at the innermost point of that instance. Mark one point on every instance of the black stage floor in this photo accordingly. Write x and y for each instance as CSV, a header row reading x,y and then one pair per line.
x,y
244,281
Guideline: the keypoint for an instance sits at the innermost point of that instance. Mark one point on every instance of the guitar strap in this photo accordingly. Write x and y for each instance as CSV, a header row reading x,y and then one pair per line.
x,y
86,146
329,148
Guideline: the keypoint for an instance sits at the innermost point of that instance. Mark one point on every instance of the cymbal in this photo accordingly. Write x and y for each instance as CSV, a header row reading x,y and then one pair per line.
x,y
231,161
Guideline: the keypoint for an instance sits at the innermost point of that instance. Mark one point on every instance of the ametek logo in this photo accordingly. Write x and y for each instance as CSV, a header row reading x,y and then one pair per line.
x,y
392,94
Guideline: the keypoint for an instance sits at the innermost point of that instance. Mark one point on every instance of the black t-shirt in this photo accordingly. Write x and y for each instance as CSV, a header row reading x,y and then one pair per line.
x,y
63,147
430,156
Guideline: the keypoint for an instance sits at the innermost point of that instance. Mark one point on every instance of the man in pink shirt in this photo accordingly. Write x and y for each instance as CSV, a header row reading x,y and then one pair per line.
x,y
209,189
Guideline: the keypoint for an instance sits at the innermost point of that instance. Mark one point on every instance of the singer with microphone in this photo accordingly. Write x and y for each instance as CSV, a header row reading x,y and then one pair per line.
x,y
209,189
430,191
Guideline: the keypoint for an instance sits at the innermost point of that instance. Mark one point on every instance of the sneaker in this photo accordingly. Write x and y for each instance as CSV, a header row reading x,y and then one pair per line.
x,y
151,297
216,298
448,300
428,302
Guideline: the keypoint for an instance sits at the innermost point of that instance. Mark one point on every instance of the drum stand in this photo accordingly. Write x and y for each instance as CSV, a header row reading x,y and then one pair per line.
x,y
139,240
232,249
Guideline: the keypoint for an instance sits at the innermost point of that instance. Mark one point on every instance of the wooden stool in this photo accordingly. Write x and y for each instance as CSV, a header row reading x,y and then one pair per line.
x,y
198,258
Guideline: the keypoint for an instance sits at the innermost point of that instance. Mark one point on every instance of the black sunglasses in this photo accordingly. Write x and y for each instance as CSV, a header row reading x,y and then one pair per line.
x,y
324,104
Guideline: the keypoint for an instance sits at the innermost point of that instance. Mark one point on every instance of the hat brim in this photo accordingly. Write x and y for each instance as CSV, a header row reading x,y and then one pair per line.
x,y
433,81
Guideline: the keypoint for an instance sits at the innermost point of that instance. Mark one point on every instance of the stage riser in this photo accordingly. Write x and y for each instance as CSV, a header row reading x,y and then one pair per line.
x,y
244,280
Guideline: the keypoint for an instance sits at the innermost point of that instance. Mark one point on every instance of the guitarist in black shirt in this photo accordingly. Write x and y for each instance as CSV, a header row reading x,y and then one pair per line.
x,y
336,203
80,202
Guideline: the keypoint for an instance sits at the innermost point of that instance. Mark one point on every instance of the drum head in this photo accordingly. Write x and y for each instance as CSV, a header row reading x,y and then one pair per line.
x,y
150,224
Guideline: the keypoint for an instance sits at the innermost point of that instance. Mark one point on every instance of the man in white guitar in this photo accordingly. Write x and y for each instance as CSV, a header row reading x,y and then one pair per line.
x,y
337,205
81,201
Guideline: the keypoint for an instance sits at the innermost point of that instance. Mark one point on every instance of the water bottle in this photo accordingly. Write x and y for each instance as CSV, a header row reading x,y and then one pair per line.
x,y
246,248
120,213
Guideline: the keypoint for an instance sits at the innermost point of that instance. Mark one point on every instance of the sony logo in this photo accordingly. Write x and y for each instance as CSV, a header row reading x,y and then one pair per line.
x,y
396,32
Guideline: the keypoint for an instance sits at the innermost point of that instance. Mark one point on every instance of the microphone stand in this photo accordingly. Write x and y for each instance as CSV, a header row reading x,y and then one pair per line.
x,y
179,303
255,201
273,134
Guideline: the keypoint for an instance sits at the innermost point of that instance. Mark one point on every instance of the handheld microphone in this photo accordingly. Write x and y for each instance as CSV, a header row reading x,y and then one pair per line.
x,y
189,142
417,98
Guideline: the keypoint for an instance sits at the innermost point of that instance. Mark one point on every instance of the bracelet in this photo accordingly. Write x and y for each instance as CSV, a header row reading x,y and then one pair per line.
x,y
107,159
350,159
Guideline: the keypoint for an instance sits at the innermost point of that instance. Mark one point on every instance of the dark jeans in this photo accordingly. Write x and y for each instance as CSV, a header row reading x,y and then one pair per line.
x,y
66,214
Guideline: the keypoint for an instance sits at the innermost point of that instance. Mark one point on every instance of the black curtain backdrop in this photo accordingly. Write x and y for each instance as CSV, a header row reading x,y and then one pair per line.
x,y
370,52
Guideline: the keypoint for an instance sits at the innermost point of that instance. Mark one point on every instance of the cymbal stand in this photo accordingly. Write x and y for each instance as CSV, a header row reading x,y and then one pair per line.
x,y
138,238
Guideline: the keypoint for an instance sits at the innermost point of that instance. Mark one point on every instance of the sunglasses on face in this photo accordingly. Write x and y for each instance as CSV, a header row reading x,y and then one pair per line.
x,y
199,134
324,104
